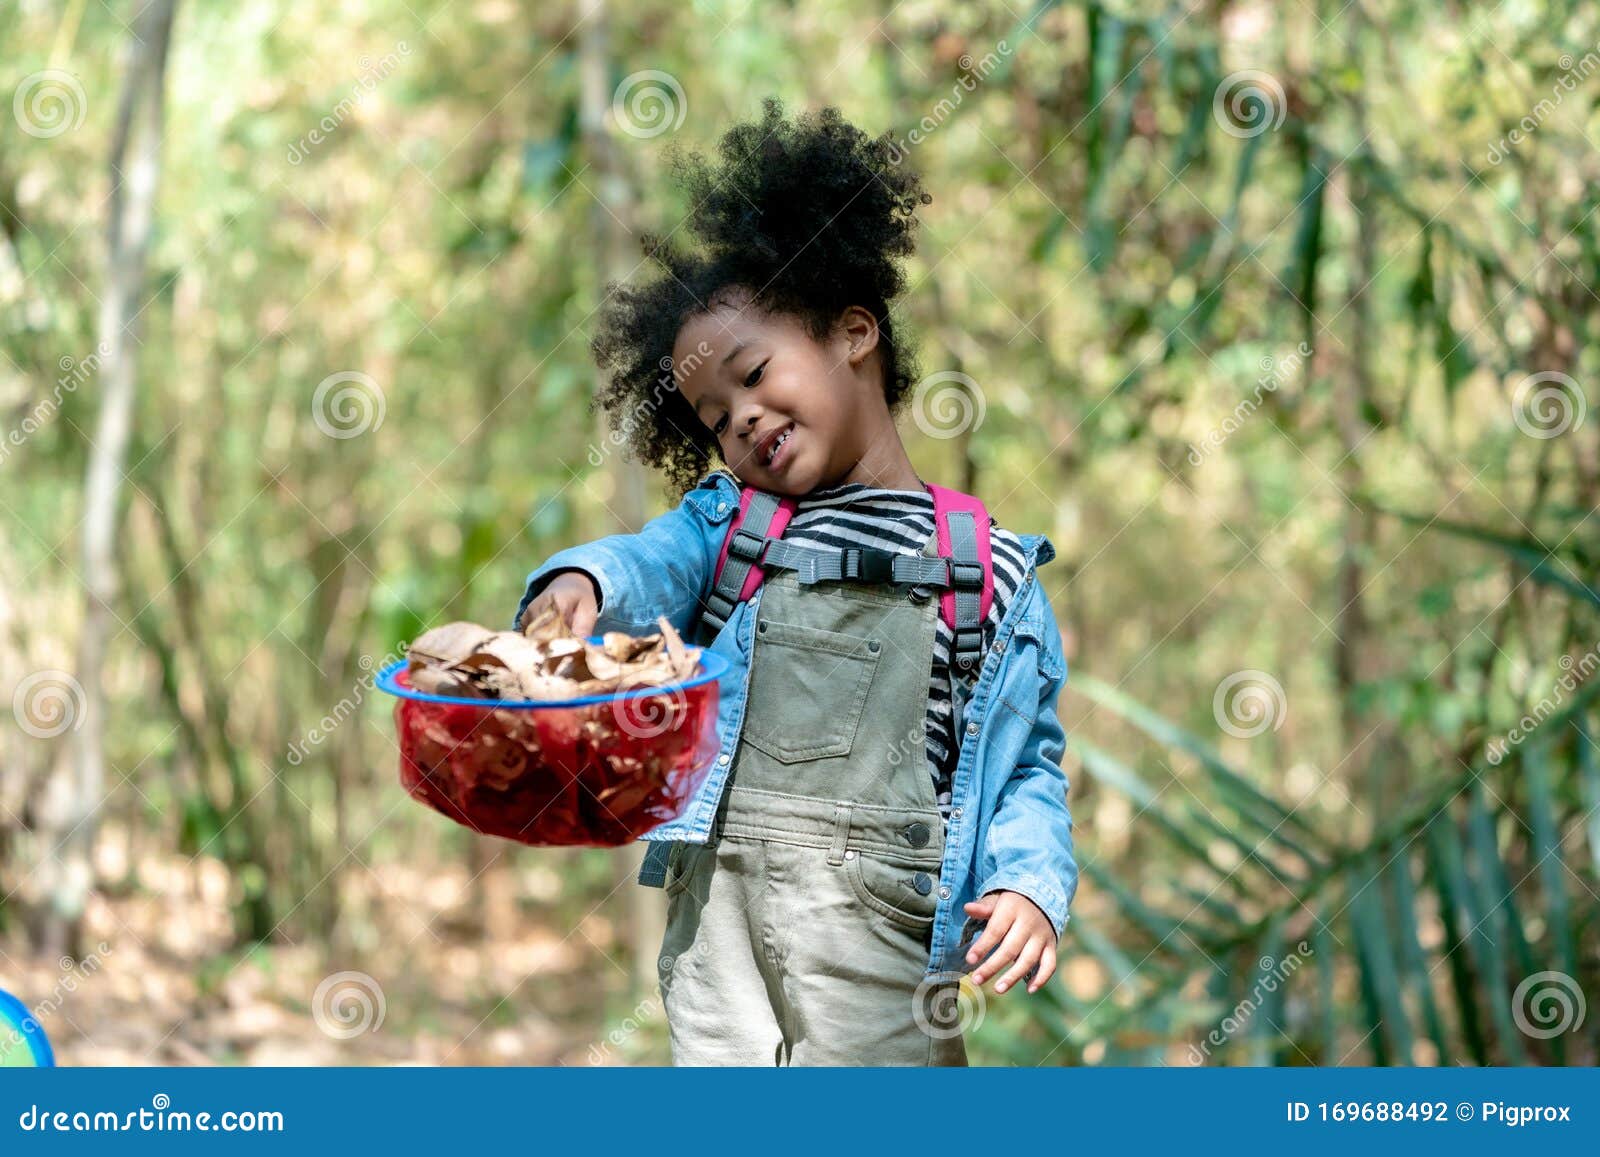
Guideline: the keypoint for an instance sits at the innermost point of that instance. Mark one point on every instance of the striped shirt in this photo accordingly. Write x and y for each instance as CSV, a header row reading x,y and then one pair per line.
x,y
902,520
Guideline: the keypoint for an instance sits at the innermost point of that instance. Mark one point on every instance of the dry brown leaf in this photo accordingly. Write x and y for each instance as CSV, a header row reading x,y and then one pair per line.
x,y
443,681
448,644
545,661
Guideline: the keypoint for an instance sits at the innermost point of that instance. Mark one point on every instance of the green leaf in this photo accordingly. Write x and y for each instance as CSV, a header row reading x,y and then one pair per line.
x,y
1251,802
1376,956
1443,856
1413,959
1541,563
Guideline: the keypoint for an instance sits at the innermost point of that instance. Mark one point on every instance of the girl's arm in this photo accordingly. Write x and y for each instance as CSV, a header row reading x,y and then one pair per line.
x,y
1028,848
664,569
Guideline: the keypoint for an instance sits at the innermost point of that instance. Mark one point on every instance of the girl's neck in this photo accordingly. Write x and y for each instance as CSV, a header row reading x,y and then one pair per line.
x,y
885,465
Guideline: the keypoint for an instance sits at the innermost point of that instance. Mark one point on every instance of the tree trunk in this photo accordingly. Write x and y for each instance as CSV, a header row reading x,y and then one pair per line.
x,y
134,168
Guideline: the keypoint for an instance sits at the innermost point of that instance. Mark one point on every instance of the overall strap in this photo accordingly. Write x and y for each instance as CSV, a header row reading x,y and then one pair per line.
x,y
964,567
962,523
761,516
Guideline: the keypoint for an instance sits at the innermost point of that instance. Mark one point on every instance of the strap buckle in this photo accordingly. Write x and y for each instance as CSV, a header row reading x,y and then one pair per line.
x,y
968,575
714,611
746,545
868,564
967,651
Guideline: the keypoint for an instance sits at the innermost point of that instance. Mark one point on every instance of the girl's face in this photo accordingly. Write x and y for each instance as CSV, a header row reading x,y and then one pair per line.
x,y
790,413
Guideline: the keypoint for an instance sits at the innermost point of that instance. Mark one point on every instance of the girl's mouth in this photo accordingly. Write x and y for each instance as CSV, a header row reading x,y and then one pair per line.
x,y
778,454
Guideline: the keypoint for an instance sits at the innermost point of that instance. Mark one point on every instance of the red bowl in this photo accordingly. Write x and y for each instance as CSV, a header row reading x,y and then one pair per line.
x,y
597,772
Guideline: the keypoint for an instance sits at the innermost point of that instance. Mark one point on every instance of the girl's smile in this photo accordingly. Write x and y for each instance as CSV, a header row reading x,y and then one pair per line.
x,y
791,412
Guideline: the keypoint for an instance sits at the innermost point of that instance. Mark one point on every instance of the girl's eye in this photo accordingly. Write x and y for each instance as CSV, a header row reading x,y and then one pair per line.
x,y
754,375
722,423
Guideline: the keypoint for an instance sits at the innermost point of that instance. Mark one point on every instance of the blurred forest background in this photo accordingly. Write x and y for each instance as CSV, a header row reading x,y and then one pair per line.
x,y
1276,317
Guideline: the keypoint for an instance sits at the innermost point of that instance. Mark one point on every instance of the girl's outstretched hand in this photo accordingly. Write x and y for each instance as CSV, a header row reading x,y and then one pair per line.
x,y
1024,934
574,596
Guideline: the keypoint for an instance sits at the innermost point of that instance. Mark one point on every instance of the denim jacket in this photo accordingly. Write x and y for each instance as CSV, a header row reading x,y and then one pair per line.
x,y
1009,824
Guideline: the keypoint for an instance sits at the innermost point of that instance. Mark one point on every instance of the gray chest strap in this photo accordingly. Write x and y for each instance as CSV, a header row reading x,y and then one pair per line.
x,y
751,546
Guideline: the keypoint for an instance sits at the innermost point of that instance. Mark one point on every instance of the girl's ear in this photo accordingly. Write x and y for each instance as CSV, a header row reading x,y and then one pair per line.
x,y
860,330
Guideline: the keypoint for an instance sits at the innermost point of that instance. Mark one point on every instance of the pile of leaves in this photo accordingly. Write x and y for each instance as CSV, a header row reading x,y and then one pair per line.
x,y
546,661
600,773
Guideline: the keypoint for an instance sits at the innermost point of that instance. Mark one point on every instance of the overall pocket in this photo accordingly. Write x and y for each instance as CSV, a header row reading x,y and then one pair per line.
x,y
808,688
905,893
680,867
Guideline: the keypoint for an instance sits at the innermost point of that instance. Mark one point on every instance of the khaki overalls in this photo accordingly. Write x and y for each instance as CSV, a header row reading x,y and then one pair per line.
x,y
800,933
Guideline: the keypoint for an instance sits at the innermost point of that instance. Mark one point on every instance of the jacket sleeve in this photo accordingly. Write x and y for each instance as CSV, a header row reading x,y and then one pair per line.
x,y
664,569
1032,825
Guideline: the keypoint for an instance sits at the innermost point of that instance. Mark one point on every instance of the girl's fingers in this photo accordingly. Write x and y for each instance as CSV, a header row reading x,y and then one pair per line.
x,y
1003,955
1047,968
581,616
993,932
1026,959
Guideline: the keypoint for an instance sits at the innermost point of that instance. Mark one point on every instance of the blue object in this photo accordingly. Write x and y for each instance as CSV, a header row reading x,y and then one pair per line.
x,y
23,1044
712,666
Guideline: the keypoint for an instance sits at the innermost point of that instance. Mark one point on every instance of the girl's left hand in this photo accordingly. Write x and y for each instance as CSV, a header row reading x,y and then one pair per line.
x,y
1024,935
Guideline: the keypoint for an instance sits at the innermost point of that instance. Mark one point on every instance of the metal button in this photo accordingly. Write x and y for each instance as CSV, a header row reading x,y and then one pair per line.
x,y
955,813
923,883
916,834
761,628
972,728
873,647
723,758
944,893
850,854
722,508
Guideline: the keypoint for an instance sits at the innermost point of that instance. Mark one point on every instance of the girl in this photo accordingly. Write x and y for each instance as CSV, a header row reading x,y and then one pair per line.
x,y
890,746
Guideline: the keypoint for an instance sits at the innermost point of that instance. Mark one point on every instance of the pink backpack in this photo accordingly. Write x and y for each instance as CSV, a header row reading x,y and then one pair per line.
x,y
963,568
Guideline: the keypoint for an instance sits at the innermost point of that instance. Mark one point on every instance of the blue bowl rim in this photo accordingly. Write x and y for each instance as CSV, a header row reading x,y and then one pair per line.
x,y
712,666
38,1044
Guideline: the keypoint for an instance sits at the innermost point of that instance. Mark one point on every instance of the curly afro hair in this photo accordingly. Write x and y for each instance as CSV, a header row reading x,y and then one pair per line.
x,y
803,217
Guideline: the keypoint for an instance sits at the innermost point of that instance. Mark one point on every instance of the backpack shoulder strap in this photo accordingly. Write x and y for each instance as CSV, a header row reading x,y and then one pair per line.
x,y
762,515
962,523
